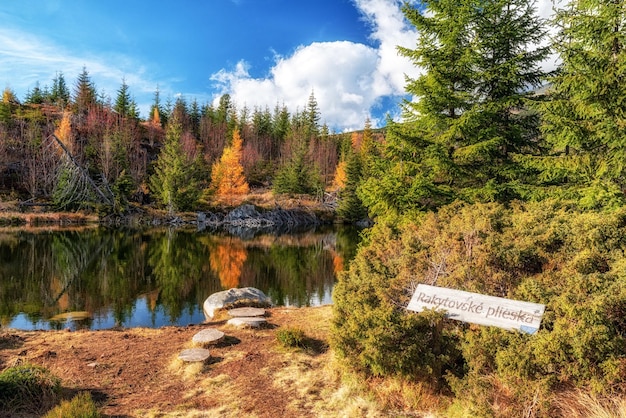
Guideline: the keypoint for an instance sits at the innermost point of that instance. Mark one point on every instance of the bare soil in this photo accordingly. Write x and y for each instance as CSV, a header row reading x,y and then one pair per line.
x,y
136,372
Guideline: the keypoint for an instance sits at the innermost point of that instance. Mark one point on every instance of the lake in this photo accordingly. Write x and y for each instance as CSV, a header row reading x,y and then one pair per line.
x,y
99,278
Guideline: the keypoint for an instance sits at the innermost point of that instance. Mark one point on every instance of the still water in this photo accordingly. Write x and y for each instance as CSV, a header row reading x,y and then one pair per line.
x,y
99,278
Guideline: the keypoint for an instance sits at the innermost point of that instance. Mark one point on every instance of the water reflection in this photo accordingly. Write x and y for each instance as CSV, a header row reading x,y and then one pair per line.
x,y
129,278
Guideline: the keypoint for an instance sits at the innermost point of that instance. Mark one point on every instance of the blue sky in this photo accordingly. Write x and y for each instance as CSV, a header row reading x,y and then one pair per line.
x,y
262,52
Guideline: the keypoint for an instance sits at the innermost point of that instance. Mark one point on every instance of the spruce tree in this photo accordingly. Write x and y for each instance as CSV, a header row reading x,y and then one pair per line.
x,y
298,175
350,208
123,103
60,94
463,129
584,119
175,182
84,92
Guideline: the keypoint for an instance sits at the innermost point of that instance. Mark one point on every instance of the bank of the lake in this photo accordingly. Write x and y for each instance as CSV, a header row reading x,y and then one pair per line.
x,y
135,372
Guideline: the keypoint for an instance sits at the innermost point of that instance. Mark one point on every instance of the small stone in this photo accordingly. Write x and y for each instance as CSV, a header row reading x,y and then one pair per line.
x,y
208,336
246,312
247,322
192,355
94,364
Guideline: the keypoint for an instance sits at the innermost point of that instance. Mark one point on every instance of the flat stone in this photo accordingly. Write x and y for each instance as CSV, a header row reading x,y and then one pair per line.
x,y
247,322
192,355
208,336
247,311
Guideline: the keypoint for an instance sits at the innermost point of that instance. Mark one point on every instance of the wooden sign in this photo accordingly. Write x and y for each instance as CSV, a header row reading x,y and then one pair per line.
x,y
479,309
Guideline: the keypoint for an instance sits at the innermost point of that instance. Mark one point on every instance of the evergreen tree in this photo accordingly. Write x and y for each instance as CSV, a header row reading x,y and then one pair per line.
x,y
351,208
194,117
84,92
175,182
60,93
464,131
584,120
224,108
298,175
312,117
36,96
123,103
280,123
370,150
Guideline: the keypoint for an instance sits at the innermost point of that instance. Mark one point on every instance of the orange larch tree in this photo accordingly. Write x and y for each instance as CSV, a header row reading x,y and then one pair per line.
x,y
227,177
64,131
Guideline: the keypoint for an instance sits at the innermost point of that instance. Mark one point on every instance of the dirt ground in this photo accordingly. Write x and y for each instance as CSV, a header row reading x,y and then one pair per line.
x,y
137,373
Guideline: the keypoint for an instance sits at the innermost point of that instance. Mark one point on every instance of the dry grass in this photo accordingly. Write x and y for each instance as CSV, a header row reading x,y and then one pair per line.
x,y
34,219
578,404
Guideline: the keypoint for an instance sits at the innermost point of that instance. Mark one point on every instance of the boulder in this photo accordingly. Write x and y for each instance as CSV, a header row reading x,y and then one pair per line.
x,y
235,298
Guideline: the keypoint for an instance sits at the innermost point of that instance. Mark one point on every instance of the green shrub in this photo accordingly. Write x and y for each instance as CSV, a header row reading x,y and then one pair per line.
x,y
291,337
573,262
28,389
80,406
372,331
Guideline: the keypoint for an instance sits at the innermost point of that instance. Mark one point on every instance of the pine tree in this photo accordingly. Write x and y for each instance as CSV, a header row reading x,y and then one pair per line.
x,y
123,103
584,120
298,175
464,128
36,96
351,208
84,92
60,94
312,117
227,177
175,182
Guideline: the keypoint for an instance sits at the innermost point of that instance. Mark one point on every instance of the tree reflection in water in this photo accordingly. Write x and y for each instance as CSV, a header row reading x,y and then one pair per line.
x,y
156,277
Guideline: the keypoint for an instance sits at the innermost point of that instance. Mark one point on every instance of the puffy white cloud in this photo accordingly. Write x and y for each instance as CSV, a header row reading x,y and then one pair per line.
x,y
348,79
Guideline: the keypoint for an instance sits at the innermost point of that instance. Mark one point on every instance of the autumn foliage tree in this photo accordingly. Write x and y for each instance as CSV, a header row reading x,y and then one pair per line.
x,y
227,177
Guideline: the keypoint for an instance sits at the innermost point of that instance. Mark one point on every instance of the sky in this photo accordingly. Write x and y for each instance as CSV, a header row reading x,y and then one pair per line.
x,y
261,52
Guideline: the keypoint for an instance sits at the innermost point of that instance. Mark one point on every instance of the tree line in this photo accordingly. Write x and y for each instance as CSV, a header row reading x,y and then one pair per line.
x,y
80,149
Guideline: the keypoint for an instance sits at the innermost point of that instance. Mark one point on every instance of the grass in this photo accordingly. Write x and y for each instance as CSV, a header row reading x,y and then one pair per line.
x,y
80,406
579,404
28,388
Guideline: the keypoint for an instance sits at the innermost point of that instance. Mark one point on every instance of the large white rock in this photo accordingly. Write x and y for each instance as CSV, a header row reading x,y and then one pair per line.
x,y
235,298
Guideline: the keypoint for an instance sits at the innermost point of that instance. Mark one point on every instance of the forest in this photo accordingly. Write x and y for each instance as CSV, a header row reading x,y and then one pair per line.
x,y
81,150
502,178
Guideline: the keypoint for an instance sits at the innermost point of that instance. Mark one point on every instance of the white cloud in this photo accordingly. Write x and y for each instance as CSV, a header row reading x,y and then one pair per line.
x,y
348,79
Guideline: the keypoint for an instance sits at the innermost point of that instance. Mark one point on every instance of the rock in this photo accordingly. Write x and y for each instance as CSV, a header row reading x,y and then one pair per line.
x,y
247,322
192,355
242,213
208,336
235,298
249,312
